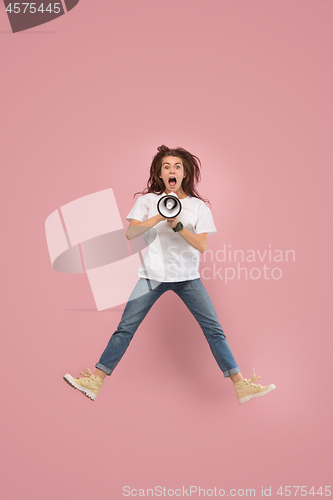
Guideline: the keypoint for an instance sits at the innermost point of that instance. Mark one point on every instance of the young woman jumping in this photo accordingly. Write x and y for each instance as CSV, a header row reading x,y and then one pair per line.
x,y
171,262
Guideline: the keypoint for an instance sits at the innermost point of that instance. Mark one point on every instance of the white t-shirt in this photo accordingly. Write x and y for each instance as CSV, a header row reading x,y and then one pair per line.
x,y
170,257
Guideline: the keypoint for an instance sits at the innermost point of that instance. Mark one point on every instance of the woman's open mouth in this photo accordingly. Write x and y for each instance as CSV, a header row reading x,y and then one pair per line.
x,y
172,181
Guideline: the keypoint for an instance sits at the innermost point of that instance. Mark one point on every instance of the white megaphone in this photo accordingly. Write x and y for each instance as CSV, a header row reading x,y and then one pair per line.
x,y
169,206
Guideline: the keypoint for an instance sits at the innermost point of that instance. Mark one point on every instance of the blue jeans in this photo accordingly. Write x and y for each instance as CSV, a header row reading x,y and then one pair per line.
x,y
194,295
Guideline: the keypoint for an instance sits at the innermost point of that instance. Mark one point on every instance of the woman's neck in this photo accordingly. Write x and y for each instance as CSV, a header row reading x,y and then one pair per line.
x,y
180,193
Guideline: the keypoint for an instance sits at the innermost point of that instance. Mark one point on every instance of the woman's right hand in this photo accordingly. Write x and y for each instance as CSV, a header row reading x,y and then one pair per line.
x,y
137,228
161,218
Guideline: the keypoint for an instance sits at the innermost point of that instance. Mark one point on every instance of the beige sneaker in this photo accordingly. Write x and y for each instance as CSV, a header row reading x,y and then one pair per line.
x,y
89,384
247,390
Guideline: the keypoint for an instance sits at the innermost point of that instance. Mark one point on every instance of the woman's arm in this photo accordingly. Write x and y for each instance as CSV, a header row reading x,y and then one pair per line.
x,y
197,241
136,228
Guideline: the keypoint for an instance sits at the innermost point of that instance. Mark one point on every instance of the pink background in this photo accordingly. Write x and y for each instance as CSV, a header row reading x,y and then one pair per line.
x,y
245,85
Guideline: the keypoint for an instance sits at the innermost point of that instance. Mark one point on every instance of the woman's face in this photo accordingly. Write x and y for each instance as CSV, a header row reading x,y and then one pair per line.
x,y
172,173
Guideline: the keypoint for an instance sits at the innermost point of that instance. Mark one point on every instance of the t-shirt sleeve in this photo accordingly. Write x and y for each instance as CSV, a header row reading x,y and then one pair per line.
x,y
140,210
205,223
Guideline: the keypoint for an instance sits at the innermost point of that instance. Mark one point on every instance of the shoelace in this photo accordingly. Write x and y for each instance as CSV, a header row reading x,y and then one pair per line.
x,y
86,375
254,378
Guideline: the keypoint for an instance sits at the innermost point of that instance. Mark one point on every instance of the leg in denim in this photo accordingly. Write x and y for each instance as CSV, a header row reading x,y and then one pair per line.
x,y
144,295
196,298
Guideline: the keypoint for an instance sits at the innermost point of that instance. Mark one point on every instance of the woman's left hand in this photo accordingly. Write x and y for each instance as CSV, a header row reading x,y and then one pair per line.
x,y
173,222
197,241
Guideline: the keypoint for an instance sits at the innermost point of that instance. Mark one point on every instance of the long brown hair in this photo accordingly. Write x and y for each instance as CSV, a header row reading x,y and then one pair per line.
x,y
192,167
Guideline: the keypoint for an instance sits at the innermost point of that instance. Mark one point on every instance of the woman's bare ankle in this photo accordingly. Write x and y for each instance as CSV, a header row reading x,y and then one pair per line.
x,y
236,377
100,373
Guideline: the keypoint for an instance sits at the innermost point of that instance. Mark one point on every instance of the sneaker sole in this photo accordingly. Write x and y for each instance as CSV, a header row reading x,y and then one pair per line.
x,y
69,379
248,398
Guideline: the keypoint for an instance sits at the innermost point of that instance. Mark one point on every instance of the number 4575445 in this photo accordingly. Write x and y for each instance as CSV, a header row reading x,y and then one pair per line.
x,y
302,491
30,8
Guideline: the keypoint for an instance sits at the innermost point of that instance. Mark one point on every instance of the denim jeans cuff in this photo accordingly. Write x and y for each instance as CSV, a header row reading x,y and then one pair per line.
x,y
227,373
103,368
